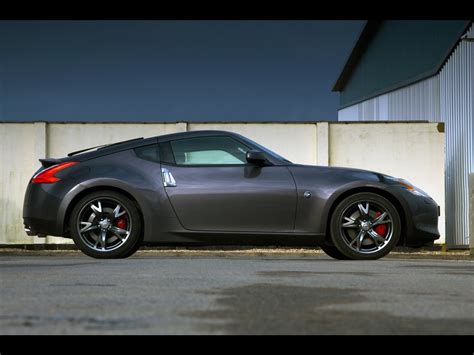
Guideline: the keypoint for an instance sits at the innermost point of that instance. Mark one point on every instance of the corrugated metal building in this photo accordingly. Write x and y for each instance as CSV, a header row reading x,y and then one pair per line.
x,y
419,70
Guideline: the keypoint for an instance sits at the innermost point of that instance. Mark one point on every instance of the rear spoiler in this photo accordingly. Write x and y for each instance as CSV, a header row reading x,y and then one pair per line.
x,y
46,163
102,146
85,150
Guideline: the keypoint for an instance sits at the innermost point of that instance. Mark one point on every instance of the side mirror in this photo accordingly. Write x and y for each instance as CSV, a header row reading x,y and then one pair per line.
x,y
256,157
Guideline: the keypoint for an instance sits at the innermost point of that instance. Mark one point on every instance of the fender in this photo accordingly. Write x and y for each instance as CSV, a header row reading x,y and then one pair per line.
x,y
358,186
153,206
78,189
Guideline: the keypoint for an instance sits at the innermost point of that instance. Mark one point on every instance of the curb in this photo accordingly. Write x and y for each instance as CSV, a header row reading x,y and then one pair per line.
x,y
229,252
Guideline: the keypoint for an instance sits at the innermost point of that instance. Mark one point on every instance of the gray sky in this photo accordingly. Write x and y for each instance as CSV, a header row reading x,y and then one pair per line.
x,y
172,70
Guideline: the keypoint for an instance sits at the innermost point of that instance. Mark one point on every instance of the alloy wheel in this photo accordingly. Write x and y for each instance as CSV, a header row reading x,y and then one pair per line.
x,y
104,224
366,227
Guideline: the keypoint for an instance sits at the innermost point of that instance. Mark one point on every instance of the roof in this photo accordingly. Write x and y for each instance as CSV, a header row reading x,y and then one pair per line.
x,y
193,134
392,54
368,32
93,152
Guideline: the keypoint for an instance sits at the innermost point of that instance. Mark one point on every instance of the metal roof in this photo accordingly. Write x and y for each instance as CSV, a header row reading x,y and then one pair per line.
x,y
373,28
369,31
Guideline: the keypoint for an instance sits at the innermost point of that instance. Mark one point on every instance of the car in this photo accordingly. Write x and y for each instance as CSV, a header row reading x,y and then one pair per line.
x,y
218,187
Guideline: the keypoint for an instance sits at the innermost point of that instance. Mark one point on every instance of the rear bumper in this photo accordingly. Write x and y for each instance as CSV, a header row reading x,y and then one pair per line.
x,y
30,231
41,210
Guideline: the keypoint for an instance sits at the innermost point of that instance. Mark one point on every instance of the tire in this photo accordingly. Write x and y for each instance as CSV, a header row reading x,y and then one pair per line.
x,y
333,252
365,226
106,225
131,251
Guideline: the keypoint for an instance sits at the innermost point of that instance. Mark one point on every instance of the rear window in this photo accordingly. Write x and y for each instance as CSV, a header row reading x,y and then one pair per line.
x,y
148,152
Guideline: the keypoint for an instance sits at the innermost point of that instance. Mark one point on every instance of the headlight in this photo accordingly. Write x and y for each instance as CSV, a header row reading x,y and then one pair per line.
x,y
408,186
413,189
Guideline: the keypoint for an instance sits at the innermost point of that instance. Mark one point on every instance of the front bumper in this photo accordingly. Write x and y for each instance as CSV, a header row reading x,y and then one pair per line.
x,y
421,217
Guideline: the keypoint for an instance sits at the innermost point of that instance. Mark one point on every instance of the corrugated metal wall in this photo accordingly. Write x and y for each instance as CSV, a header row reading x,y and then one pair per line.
x,y
447,97
420,101
456,108
416,102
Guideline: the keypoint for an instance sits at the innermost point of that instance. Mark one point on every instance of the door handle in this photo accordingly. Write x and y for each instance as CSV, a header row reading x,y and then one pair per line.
x,y
168,179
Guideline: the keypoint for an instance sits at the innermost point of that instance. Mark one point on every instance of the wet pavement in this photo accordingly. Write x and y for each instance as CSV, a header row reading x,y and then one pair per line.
x,y
240,294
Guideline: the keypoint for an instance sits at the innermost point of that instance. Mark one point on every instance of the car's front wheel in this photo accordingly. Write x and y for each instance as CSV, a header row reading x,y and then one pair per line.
x,y
333,252
365,226
106,225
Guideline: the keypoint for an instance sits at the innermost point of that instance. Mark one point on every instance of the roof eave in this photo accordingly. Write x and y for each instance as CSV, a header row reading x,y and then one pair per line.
x,y
366,36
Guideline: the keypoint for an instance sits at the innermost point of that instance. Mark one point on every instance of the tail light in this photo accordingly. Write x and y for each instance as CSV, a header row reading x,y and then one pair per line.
x,y
47,176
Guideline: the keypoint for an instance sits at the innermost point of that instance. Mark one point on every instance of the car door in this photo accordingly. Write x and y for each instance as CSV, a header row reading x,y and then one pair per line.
x,y
212,187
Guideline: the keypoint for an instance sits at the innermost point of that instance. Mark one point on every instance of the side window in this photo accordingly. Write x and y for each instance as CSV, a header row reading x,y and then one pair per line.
x,y
148,152
209,151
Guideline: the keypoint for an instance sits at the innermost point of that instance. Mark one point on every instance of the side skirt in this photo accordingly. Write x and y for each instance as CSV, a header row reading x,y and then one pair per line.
x,y
248,239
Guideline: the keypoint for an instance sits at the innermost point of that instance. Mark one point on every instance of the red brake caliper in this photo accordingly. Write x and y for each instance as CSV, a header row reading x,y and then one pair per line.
x,y
381,229
122,223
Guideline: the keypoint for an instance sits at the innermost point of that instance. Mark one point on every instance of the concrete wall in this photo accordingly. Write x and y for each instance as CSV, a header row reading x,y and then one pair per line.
x,y
414,151
19,152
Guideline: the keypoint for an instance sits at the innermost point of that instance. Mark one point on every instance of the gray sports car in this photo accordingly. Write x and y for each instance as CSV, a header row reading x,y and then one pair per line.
x,y
216,187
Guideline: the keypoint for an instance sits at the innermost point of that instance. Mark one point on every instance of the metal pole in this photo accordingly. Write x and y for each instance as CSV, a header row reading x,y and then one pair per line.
x,y
471,213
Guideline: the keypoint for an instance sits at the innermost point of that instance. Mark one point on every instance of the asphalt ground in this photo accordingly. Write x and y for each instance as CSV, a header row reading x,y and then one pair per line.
x,y
243,291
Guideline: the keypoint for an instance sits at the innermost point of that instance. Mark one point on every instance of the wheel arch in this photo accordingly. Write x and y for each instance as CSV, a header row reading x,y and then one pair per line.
x,y
93,189
393,199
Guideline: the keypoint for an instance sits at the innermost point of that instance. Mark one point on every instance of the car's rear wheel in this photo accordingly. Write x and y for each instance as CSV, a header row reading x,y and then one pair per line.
x,y
105,225
365,226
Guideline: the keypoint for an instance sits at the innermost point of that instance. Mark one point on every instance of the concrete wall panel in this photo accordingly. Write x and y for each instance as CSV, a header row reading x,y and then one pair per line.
x,y
18,148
